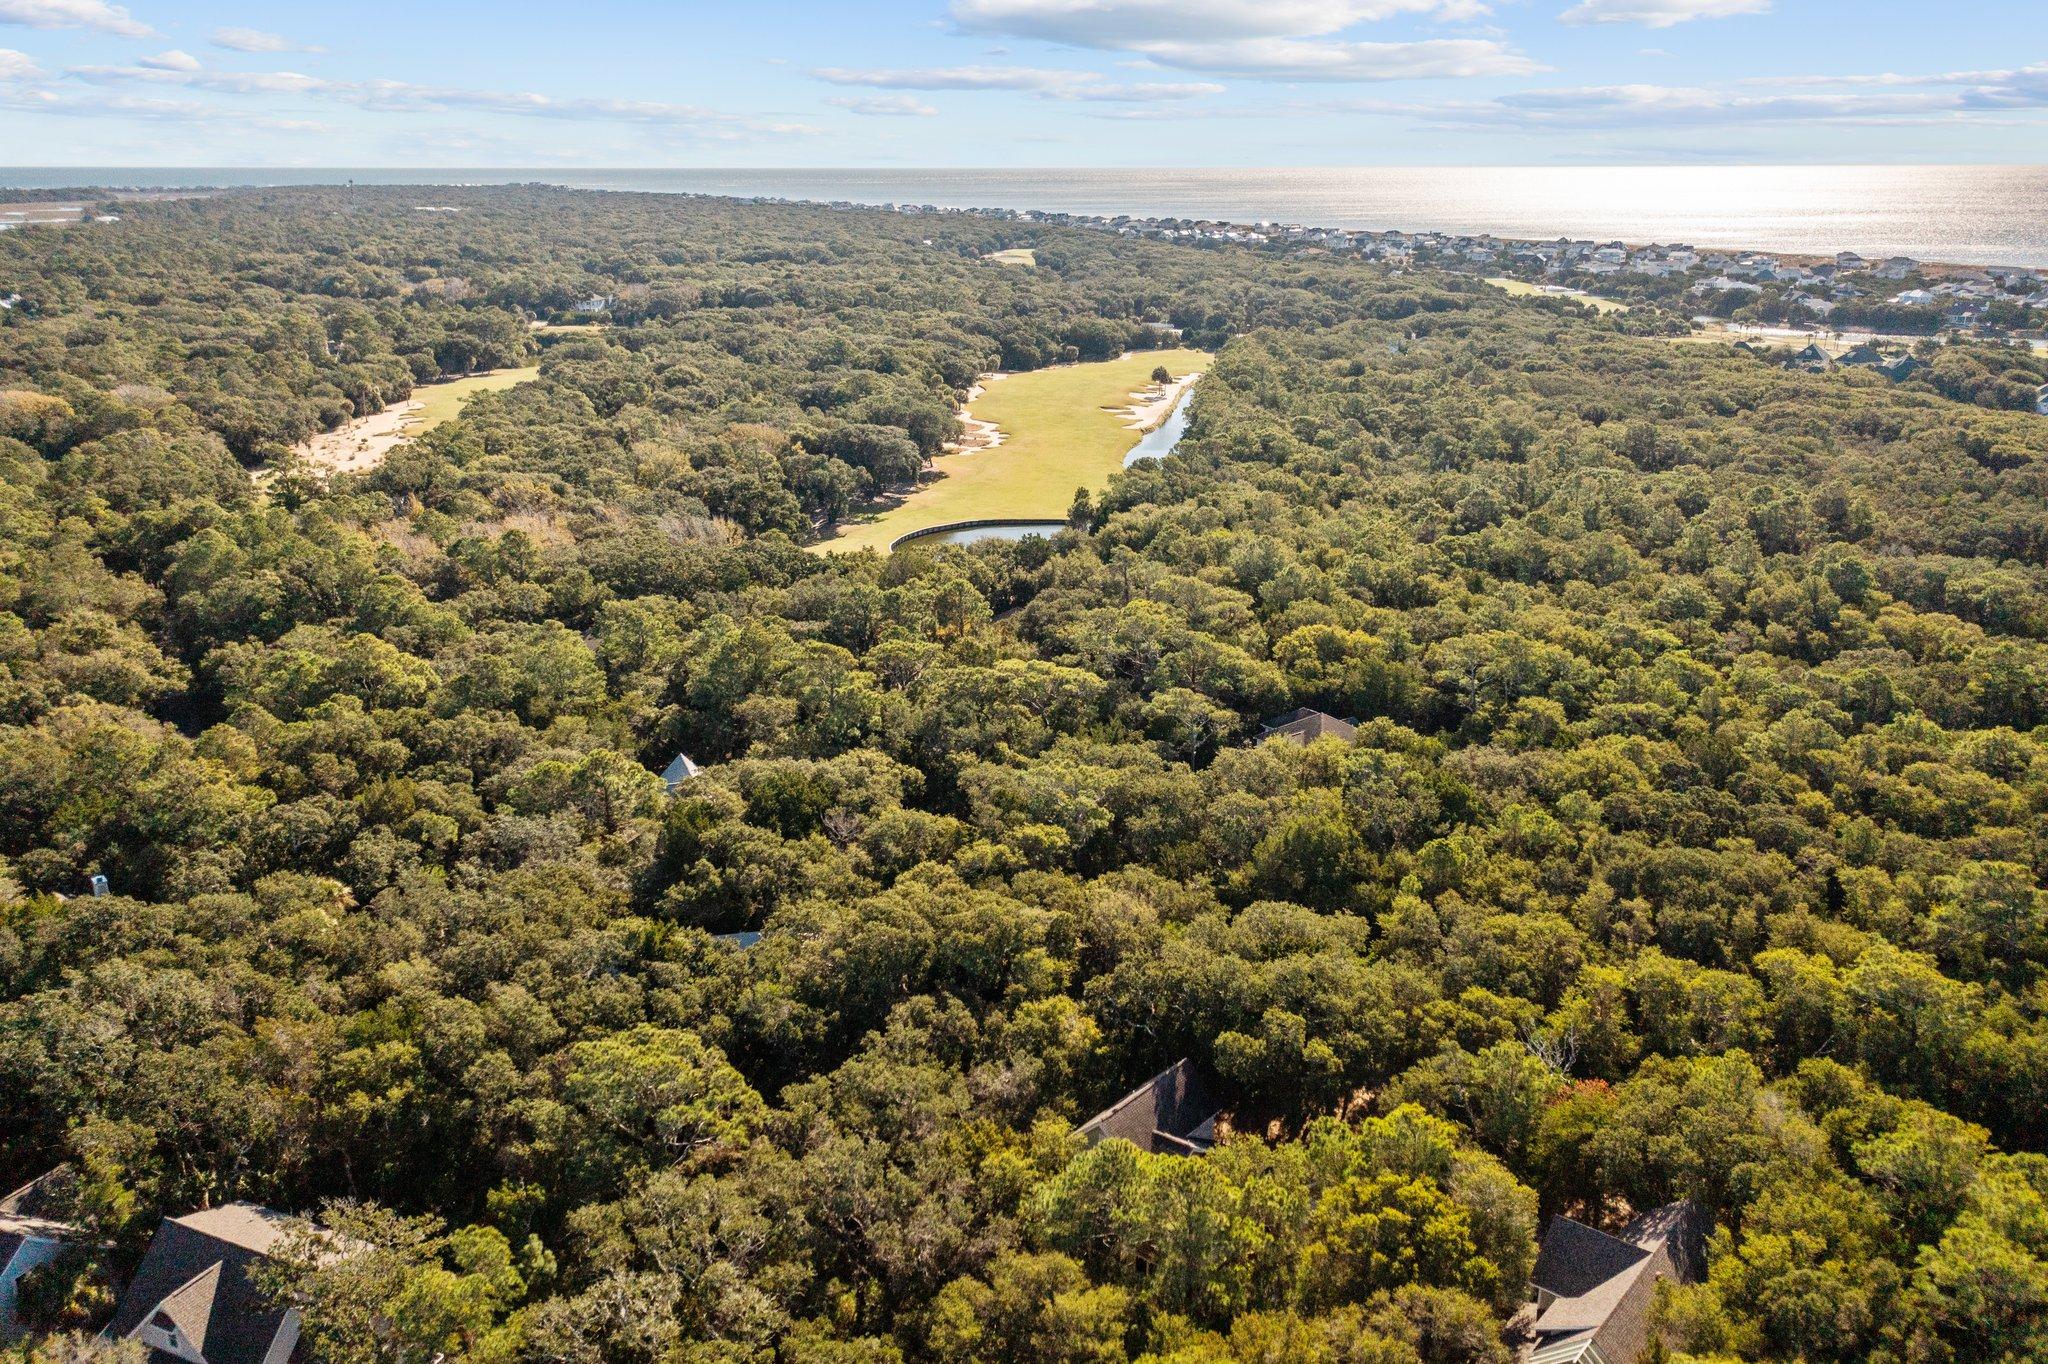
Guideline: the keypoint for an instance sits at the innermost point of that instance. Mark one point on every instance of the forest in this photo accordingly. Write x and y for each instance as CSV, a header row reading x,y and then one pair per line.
x,y
1690,844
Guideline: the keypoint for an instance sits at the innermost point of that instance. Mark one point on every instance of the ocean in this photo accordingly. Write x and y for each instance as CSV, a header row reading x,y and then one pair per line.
x,y
1971,215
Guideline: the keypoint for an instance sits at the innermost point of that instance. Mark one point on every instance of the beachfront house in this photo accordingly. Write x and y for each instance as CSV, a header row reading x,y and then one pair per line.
x,y
1848,262
1898,267
1594,1291
33,1232
192,1298
1171,1114
1726,284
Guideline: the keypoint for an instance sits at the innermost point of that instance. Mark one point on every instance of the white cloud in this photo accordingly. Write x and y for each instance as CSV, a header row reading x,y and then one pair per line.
x,y
256,40
884,106
1658,13
1041,81
1136,24
17,66
388,96
1295,60
1980,97
1283,40
173,60
196,78
93,14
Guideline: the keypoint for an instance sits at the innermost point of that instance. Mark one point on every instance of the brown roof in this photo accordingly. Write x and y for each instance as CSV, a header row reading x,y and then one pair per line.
x,y
1307,726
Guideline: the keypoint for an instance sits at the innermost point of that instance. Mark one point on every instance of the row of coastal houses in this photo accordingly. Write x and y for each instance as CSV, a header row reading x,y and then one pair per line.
x,y
1964,293
193,1298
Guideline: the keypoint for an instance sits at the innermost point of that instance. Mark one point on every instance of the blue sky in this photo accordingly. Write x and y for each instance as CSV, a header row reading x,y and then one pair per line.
x,y
1021,82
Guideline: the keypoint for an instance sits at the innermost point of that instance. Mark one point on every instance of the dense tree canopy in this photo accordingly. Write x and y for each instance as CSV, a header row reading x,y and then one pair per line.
x,y
1691,842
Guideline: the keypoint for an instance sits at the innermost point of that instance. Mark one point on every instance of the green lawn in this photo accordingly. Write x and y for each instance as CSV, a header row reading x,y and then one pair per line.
x,y
1056,437
443,402
1521,288
1016,255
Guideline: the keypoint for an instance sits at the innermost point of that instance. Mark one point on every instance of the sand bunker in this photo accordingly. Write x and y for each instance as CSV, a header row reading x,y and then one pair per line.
x,y
976,434
361,444
1153,404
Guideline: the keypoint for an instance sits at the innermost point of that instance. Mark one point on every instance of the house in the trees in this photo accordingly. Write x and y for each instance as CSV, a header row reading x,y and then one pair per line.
x,y
1307,726
1812,359
1902,367
33,1232
192,1298
1594,1291
679,771
1171,1114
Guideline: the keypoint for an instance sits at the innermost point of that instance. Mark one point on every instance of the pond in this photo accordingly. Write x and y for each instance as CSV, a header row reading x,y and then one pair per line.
x,y
993,530
1161,439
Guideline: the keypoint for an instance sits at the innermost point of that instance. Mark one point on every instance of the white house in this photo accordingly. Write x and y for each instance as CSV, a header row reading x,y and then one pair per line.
x,y
1725,284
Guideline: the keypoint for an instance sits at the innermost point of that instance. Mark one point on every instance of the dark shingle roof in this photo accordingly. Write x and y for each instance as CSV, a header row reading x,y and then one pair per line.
x,y
1604,1285
197,1274
41,1197
1307,726
1574,1258
1170,1114
1681,1228
36,1212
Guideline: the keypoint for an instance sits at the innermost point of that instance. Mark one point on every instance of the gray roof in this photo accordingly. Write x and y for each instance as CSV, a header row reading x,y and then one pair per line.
x,y
1681,1228
1170,1114
1307,726
679,771
196,1276
1575,1258
1602,1286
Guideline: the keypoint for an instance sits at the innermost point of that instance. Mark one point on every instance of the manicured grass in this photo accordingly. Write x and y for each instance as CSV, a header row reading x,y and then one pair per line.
x,y
1016,255
443,402
1521,288
1056,437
